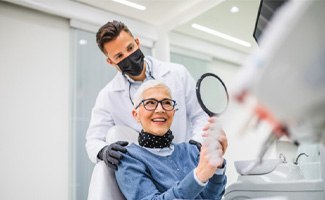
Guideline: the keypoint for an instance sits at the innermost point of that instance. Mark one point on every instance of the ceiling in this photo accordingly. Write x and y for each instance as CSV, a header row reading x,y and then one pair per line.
x,y
179,15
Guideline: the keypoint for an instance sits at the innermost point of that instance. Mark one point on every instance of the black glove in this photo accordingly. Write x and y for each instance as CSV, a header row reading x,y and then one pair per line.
x,y
197,144
113,153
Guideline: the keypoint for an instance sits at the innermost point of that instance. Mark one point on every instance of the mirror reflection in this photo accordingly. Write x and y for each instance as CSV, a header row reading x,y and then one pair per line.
x,y
213,94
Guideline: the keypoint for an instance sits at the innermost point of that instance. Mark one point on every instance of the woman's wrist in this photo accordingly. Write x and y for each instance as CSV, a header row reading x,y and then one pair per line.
x,y
197,179
201,174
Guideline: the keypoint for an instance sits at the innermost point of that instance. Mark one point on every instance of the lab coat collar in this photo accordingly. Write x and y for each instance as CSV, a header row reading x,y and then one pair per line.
x,y
121,83
157,68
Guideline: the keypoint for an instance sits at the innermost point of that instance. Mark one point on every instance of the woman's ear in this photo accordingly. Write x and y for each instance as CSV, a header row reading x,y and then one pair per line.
x,y
135,115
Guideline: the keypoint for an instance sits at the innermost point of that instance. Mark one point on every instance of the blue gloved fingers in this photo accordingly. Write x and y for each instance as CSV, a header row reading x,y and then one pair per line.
x,y
120,146
122,143
113,153
109,160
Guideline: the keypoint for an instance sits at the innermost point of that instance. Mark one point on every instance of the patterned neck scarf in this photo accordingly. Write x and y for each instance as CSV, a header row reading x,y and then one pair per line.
x,y
152,141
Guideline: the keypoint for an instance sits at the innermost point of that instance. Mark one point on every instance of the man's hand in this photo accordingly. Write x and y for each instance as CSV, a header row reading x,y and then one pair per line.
x,y
113,153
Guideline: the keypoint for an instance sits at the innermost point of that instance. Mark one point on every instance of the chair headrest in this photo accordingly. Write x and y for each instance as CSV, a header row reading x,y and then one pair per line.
x,y
122,133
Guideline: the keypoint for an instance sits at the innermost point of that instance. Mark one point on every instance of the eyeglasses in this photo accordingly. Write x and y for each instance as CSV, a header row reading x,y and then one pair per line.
x,y
151,104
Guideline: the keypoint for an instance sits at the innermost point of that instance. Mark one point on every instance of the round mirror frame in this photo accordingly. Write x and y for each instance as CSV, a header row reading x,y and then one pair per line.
x,y
198,94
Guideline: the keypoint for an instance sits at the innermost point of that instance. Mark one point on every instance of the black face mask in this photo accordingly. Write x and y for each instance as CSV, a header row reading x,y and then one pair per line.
x,y
133,64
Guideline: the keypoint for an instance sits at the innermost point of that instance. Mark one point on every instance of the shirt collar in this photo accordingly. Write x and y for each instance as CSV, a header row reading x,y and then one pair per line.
x,y
166,151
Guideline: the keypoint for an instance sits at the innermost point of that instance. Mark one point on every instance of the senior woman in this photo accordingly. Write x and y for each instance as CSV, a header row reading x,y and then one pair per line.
x,y
156,168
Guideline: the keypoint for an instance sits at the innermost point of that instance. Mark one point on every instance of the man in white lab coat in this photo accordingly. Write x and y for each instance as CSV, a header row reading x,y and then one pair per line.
x,y
114,102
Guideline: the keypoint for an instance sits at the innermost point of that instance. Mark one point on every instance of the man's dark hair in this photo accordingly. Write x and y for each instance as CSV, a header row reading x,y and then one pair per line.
x,y
109,32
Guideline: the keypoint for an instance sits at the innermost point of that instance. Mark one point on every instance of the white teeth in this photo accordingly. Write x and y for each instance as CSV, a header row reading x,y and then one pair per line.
x,y
159,120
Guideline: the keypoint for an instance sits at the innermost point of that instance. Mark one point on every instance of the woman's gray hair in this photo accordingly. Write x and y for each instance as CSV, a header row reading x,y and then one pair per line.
x,y
138,96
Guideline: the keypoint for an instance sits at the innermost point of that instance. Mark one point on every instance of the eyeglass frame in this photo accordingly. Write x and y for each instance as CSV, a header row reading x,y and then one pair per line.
x,y
158,102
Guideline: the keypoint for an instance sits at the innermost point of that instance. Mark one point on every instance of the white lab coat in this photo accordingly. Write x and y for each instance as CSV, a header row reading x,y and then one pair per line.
x,y
113,107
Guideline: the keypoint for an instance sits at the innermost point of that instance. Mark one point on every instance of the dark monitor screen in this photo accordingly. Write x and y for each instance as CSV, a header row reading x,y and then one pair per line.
x,y
265,13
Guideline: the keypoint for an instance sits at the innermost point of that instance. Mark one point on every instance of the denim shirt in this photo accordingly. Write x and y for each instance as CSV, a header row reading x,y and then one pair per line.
x,y
146,175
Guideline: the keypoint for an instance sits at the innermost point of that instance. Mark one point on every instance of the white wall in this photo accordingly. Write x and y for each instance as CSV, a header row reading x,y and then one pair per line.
x,y
34,105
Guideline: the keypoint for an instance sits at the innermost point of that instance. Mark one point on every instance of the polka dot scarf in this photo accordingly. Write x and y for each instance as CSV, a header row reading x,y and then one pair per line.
x,y
152,141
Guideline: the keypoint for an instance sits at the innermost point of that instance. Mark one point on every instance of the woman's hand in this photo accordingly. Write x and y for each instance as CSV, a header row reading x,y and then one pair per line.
x,y
208,163
214,131
212,151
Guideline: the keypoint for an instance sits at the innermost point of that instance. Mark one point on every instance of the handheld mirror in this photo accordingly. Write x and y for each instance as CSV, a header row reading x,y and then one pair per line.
x,y
212,94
